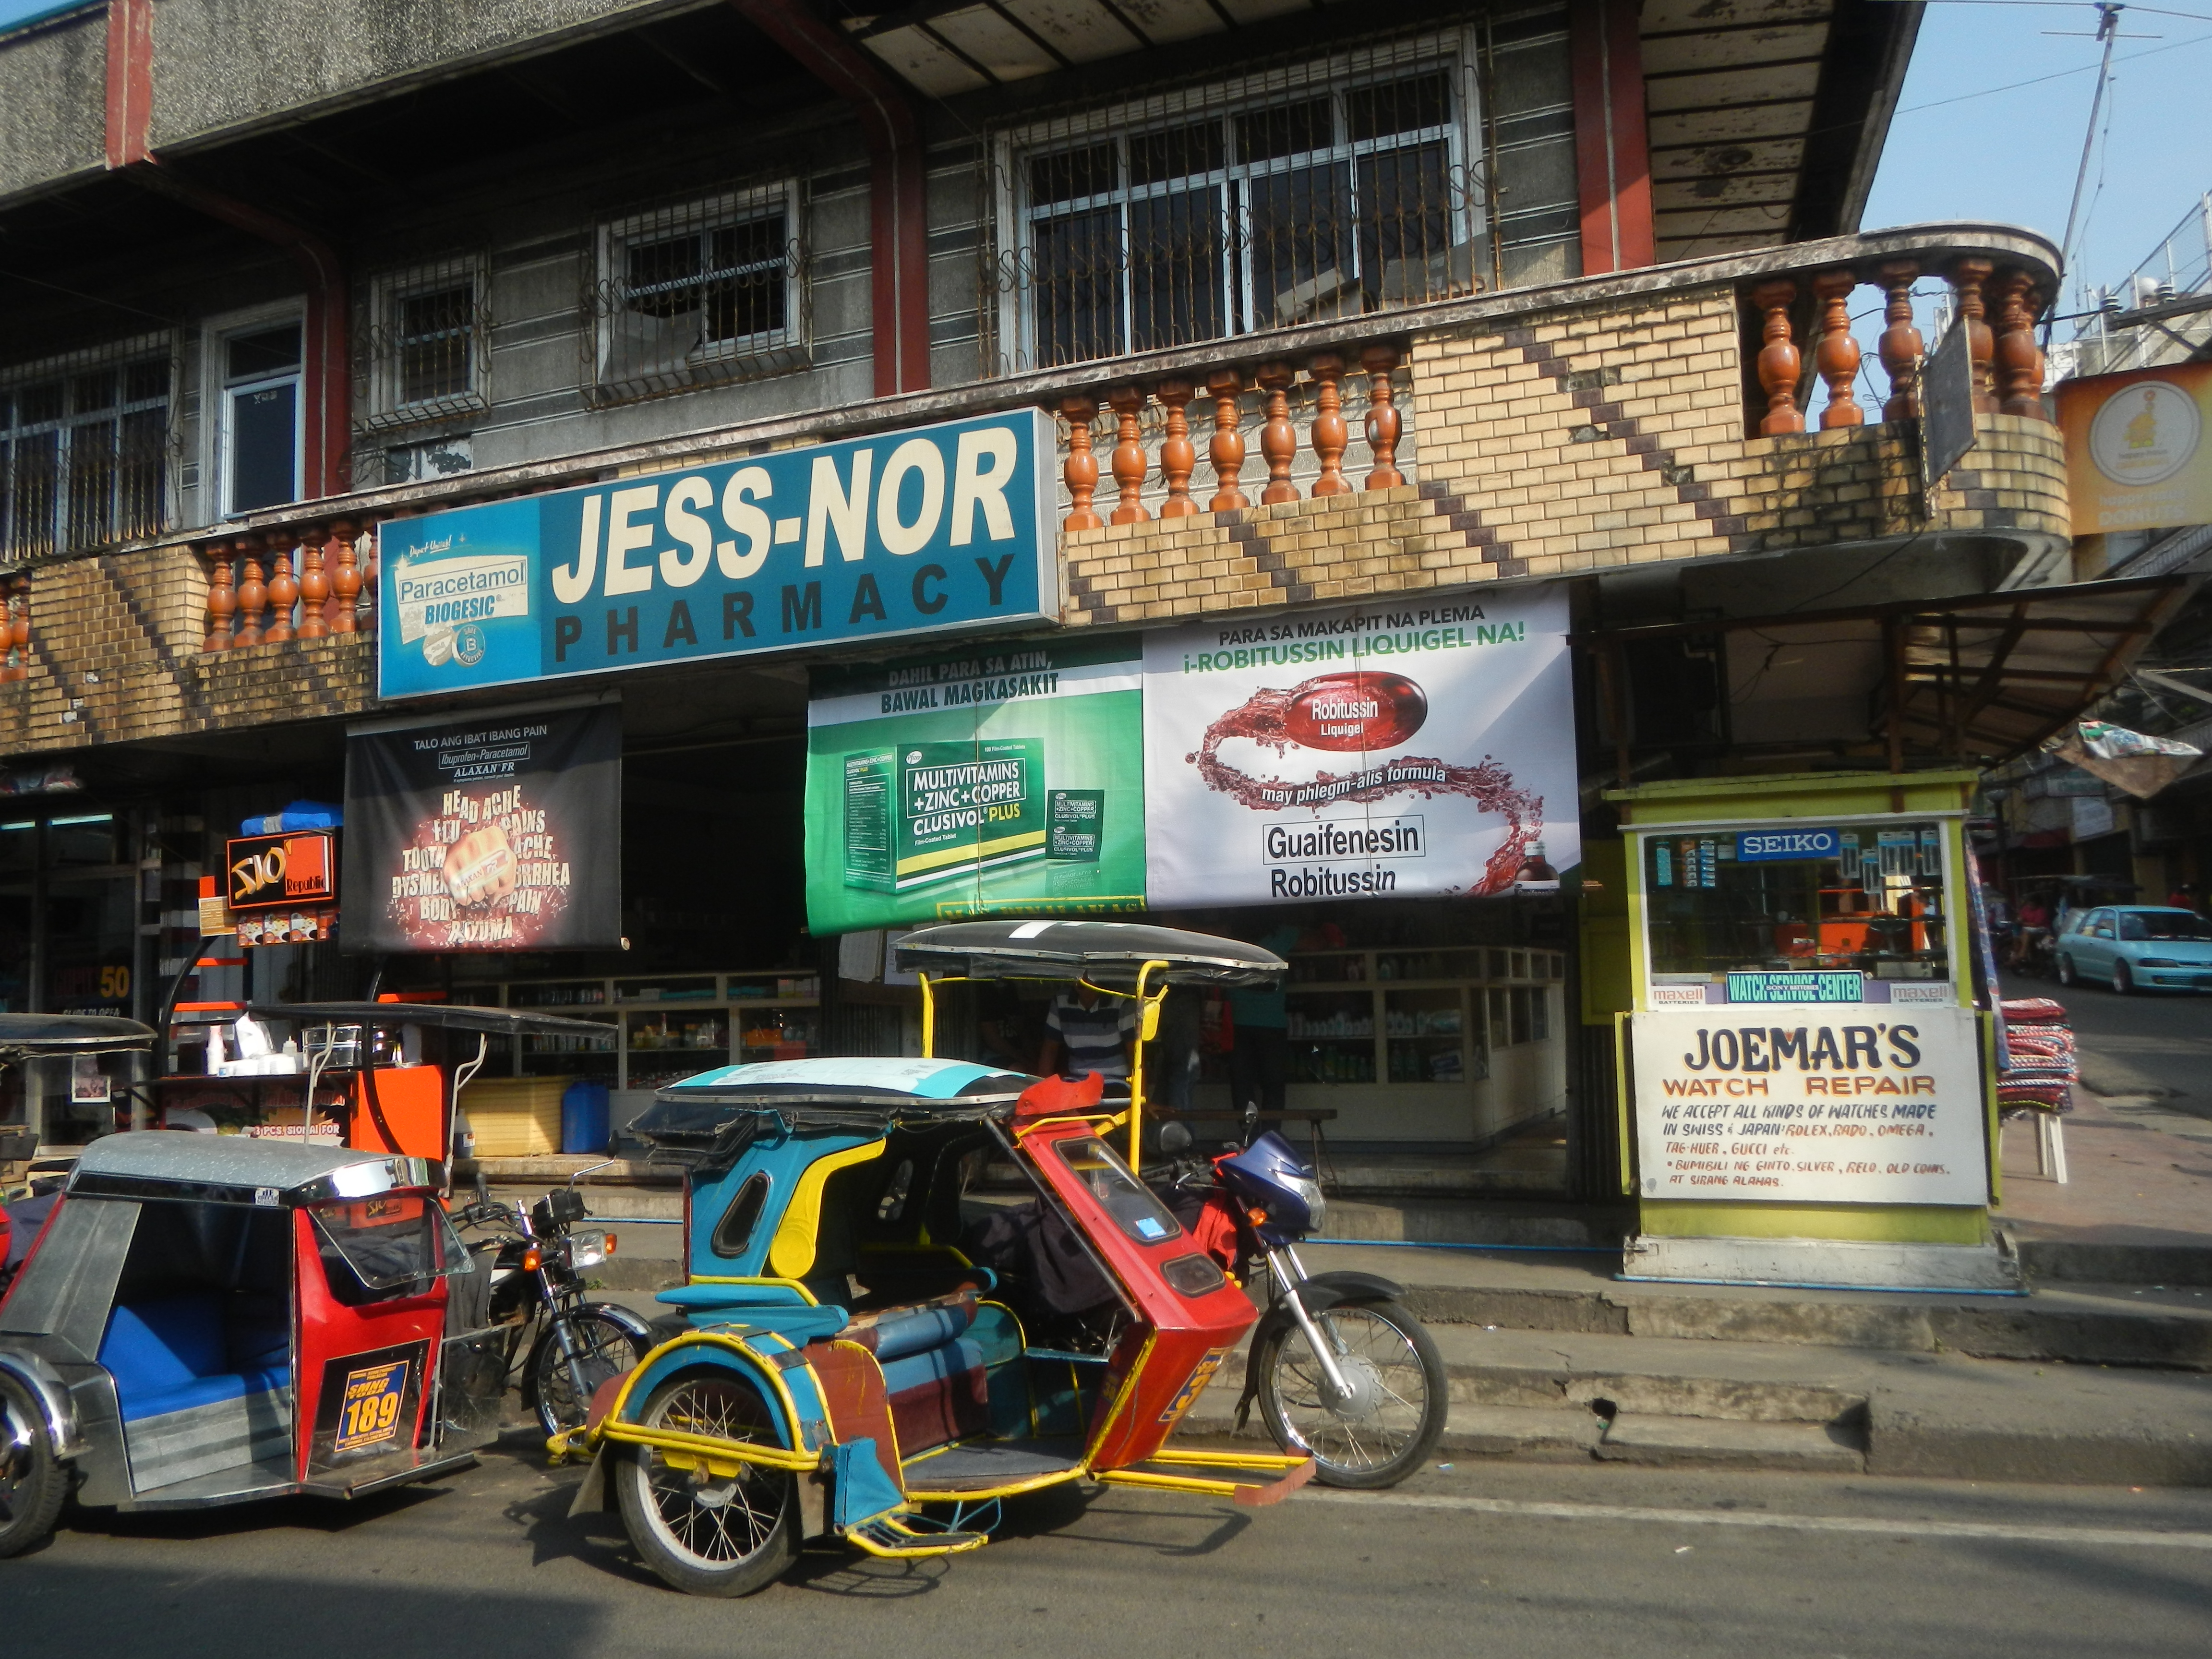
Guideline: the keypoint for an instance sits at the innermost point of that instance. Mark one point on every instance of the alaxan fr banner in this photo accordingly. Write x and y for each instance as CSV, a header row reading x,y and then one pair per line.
x,y
976,783
1386,750
497,829
927,530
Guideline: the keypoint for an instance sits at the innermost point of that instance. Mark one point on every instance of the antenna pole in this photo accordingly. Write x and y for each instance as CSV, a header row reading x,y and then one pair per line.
x,y
2108,18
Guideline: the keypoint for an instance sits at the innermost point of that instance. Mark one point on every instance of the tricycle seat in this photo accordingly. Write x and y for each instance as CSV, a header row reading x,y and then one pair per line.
x,y
178,1352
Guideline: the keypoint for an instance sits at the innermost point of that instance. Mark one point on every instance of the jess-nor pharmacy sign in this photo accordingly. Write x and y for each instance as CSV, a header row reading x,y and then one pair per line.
x,y
1833,1106
926,531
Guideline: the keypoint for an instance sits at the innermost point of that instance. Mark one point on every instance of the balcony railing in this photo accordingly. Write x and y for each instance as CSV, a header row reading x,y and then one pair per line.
x,y
1132,427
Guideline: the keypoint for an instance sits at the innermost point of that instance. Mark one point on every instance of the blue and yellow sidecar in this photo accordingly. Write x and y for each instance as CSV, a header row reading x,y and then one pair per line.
x,y
838,1366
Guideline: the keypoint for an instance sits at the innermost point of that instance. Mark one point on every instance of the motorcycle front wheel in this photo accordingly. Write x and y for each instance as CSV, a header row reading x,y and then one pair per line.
x,y
1400,1394
603,1349
704,1533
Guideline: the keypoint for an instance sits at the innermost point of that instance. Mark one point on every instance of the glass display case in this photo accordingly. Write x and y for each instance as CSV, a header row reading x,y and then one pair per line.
x,y
661,1029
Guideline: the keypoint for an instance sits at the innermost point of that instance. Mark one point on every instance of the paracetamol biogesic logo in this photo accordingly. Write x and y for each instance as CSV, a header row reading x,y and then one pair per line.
x,y
2145,432
445,599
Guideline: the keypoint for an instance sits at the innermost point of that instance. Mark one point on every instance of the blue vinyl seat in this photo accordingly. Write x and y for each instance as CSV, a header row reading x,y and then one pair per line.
x,y
197,1348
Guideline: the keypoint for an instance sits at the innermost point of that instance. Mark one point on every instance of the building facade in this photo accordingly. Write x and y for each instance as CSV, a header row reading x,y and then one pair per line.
x,y
1322,313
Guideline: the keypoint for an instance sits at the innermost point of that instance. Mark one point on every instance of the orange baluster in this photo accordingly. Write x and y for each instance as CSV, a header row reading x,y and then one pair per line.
x,y
1081,467
1384,424
365,612
1226,451
1838,355
1968,276
284,594
314,585
1129,464
253,596
1778,362
1331,436
1178,455
1278,441
221,599
345,580
2018,361
1902,348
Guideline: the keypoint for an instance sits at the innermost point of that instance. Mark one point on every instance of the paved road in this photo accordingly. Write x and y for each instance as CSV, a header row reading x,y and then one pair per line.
x,y
1577,1561
2157,1043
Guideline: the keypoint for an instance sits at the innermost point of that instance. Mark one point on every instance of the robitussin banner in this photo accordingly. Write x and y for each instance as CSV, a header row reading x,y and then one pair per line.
x,y
488,831
1389,751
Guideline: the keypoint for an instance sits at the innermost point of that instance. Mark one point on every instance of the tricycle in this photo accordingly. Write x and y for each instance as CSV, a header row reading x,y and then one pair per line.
x,y
208,1319
841,1363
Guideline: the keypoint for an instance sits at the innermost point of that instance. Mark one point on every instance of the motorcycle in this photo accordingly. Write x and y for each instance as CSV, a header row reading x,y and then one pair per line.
x,y
559,1348
1339,1368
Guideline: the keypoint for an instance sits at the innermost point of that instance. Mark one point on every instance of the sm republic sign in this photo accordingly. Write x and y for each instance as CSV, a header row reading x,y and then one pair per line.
x,y
932,530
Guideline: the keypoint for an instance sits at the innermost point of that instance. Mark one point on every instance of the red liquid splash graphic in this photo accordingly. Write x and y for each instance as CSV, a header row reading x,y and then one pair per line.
x,y
1264,718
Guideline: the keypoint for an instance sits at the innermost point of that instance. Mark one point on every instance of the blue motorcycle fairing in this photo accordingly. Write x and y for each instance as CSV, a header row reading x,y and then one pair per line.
x,y
1256,1177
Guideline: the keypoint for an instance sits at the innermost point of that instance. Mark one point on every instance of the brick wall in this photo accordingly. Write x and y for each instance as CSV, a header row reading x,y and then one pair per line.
x,y
1612,436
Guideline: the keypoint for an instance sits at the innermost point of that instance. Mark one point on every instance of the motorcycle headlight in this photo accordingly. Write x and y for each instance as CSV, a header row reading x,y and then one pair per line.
x,y
1309,1192
588,1249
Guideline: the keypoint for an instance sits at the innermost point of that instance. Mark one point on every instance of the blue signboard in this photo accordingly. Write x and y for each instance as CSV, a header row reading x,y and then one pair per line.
x,y
1839,987
1764,846
933,530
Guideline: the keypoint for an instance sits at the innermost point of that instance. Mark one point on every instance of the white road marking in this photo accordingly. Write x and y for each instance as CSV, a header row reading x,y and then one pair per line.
x,y
2121,1536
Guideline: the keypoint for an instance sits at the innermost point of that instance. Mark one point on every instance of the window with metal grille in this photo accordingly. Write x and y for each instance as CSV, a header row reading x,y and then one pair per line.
x,y
1406,172
428,342
85,448
692,295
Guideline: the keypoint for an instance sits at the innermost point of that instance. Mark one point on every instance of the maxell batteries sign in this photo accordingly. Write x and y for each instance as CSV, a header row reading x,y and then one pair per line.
x,y
1817,1105
928,531
1373,752
969,784
496,830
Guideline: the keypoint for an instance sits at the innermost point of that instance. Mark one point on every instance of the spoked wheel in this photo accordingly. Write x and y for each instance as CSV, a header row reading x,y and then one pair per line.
x,y
32,1484
603,1349
1400,1394
705,1533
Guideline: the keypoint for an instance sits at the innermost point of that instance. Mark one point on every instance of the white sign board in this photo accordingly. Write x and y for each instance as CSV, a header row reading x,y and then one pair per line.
x,y
1833,1104
1399,750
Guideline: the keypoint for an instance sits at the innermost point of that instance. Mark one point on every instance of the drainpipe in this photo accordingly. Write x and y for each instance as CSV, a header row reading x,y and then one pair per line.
x,y
326,412
897,208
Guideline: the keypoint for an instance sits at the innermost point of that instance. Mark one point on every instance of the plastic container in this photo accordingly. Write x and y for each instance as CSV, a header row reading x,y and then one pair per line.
x,y
586,1117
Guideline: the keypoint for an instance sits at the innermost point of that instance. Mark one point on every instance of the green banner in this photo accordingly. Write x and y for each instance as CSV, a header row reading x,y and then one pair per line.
x,y
976,783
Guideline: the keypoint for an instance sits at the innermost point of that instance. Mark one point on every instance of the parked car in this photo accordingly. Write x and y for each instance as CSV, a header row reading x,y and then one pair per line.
x,y
2137,947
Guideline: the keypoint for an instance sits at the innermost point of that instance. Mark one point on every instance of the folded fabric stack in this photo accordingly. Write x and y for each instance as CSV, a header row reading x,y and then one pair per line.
x,y
2039,1064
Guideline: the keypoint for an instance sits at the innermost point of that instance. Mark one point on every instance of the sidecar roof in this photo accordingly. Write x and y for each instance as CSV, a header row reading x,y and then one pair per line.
x,y
237,1169
32,1037
1104,952
856,1094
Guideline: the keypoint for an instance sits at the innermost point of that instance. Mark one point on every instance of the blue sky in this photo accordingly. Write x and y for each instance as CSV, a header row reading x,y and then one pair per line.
x,y
2011,155
1961,150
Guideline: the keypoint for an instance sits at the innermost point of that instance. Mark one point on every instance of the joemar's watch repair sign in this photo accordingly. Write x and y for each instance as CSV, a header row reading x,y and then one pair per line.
x,y
931,530
1828,1105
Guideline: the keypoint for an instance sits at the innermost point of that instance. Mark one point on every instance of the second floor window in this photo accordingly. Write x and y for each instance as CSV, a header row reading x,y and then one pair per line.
x,y
426,343
1414,171
85,454
689,296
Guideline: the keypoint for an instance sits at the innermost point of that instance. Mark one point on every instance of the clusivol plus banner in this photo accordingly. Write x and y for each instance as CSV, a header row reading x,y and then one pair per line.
x,y
977,782
1397,749
497,830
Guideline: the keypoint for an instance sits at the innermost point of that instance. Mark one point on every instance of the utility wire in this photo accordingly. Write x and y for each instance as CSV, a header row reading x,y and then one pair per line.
x,y
2056,74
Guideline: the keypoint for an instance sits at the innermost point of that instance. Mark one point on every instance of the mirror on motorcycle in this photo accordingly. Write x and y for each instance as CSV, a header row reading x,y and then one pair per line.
x,y
483,1192
1251,1122
1175,1138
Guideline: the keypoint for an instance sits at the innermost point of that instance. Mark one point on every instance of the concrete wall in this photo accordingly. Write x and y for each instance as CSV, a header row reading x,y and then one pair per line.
x,y
53,102
226,65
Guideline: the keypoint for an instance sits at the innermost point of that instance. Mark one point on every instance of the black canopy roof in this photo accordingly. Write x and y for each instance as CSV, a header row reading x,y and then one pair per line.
x,y
1105,952
441,1016
31,1036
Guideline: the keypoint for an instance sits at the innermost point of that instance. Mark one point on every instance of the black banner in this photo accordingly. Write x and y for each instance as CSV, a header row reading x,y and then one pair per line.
x,y
498,832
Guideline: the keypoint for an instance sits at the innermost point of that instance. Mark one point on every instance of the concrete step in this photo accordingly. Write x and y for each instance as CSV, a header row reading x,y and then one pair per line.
x,y
1705,1443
